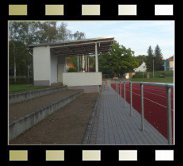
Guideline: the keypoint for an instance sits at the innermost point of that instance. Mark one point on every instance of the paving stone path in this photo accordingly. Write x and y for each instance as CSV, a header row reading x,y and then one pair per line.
x,y
112,123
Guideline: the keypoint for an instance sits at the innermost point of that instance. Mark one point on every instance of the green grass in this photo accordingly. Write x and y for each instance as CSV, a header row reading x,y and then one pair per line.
x,y
162,80
13,88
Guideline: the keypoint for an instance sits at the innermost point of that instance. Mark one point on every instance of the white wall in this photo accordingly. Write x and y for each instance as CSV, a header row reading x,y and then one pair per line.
x,y
82,79
141,68
41,63
61,67
54,62
171,65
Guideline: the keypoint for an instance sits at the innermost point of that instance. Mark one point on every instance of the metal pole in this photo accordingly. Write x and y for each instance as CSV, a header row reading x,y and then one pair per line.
x,y
169,119
153,68
120,88
83,66
116,86
131,99
78,62
142,106
125,94
88,64
165,65
96,58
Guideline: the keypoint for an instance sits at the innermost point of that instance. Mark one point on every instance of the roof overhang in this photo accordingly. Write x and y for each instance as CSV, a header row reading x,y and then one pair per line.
x,y
79,47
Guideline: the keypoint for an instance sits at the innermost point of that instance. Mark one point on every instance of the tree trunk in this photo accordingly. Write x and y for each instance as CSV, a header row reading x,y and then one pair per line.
x,y
14,66
14,70
28,70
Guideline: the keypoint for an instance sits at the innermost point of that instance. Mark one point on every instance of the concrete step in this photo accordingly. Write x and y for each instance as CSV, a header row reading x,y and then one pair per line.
x,y
19,97
25,122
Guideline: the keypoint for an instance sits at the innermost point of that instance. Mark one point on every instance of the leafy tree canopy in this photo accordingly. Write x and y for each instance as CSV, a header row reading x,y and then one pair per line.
x,y
141,59
118,61
21,34
158,59
149,59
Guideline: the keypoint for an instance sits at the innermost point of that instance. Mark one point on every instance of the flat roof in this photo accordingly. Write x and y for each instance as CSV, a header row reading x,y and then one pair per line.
x,y
79,47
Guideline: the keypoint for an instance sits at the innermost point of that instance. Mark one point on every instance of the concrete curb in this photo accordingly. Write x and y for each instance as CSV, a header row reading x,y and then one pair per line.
x,y
19,126
19,97
89,128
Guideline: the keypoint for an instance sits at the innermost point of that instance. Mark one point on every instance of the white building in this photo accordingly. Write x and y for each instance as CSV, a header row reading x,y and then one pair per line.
x,y
141,68
49,63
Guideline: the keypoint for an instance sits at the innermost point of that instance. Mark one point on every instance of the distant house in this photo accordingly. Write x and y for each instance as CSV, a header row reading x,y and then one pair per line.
x,y
141,68
169,64
69,65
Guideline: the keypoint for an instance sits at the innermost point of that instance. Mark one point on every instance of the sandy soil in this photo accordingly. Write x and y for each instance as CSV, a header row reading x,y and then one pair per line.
x,y
65,126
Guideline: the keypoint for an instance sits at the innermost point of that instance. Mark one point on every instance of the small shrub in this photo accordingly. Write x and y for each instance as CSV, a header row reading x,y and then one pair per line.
x,y
21,81
140,75
72,69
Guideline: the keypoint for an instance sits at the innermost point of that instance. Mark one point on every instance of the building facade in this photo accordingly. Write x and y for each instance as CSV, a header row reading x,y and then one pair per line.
x,y
169,64
141,68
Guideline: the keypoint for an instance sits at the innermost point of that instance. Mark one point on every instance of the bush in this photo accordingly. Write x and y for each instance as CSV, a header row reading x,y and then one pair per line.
x,y
72,69
140,75
21,81
157,74
168,73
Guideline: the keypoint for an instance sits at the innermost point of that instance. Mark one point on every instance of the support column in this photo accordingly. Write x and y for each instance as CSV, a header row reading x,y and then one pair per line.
x,y
96,58
42,66
88,64
78,62
61,68
83,65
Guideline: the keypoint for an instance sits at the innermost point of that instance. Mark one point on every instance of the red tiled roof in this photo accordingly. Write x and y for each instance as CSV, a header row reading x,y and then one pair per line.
x,y
170,59
70,65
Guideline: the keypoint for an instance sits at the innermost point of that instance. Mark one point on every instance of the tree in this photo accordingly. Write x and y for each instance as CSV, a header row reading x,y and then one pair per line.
x,y
77,36
158,62
118,61
63,33
149,59
141,59
22,34
20,60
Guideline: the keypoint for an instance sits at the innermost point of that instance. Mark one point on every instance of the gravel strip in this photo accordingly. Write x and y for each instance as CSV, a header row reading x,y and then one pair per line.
x,y
18,110
65,126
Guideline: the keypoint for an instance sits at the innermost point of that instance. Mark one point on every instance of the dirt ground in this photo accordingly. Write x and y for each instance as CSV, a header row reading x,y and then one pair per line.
x,y
65,126
18,110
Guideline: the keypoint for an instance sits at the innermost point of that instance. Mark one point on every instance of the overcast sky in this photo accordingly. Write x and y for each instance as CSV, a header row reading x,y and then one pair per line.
x,y
137,35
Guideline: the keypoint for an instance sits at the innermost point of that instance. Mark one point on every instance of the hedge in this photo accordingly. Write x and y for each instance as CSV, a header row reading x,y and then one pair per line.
x,y
157,74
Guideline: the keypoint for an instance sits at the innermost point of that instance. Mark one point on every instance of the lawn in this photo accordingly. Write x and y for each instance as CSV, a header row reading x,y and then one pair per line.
x,y
23,87
162,80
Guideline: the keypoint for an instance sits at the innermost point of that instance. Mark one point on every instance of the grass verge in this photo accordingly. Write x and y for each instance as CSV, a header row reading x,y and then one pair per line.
x,y
13,88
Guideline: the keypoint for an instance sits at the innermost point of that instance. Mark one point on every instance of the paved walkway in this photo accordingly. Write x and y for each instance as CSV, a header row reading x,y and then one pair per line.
x,y
112,123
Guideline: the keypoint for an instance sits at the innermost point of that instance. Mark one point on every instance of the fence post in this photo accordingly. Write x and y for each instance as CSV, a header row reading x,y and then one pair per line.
x,y
169,119
102,86
115,84
120,88
142,105
125,94
131,102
